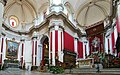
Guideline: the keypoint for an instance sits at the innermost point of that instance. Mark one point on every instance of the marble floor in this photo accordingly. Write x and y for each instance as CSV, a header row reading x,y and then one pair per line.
x,y
75,72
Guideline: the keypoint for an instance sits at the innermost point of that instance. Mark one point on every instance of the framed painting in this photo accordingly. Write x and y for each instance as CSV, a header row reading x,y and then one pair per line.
x,y
12,49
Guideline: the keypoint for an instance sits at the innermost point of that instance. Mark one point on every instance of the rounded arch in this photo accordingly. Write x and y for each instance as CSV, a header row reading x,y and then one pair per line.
x,y
20,3
86,11
43,38
69,7
43,7
45,50
87,3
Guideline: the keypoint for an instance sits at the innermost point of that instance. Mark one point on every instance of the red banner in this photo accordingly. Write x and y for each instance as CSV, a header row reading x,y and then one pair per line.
x,y
113,42
68,42
80,49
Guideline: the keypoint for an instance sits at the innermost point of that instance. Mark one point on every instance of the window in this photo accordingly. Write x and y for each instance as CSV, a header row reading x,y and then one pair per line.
x,y
13,20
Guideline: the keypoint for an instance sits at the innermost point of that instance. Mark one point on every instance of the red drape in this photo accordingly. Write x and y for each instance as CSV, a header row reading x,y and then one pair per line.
x,y
56,43
68,42
80,49
108,44
85,50
113,42
51,41
35,51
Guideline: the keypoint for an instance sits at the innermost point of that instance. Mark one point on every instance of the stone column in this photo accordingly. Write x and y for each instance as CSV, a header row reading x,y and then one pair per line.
x,y
76,45
2,4
22,52
34,48
56,41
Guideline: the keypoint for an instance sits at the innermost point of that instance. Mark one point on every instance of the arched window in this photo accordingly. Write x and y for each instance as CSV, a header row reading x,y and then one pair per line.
x,y
13,20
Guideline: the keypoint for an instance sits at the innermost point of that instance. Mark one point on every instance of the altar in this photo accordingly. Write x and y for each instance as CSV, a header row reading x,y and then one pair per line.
x,y
85,63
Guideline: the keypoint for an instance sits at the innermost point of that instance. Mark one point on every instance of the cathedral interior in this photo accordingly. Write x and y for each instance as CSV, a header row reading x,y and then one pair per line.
x,y
81,33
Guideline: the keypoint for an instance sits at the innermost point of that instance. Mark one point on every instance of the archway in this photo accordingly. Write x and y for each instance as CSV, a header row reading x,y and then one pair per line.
x,y
45,50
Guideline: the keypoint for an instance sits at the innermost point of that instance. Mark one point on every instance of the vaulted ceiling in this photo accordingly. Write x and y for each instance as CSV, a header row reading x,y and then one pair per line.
x,y
86,12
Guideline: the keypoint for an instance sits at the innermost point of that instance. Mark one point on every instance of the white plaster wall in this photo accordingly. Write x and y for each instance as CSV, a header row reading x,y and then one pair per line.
x,y
110,39
115,34
28,52
87,48
118,12
69,31
84,50
19,51
39,55
76,45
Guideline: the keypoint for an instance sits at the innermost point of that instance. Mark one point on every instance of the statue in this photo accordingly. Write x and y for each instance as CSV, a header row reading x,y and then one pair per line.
x,y
96,43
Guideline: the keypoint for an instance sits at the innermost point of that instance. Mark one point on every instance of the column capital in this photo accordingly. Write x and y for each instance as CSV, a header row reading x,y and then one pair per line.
x,y
22,40
56,23
3,2
34,37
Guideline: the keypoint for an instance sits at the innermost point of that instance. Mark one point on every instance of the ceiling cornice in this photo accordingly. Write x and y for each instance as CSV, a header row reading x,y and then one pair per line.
x,y
51,15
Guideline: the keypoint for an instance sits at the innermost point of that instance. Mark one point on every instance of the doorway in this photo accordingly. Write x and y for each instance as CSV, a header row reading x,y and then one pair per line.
x,y
45,50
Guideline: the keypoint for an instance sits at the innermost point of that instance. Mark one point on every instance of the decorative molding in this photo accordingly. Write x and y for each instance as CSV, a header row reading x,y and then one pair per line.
x,y
3,2
95,24
22,40
53,6
3,34
34,37
46,21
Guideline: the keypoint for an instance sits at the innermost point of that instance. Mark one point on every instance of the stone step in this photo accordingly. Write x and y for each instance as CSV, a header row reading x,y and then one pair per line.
x,y
13,69
92,70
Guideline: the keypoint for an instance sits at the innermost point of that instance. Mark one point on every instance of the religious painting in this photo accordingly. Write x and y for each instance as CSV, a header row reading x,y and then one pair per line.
x,y
11,49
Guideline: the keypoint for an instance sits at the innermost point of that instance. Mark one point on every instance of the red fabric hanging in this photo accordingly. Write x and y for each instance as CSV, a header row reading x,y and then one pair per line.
x,y
113,42
51,41
108,44
56,41
80,49
35,51
68,42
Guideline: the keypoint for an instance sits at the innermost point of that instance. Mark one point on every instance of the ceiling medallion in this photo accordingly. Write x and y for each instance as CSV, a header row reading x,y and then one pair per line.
x,y
13,20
